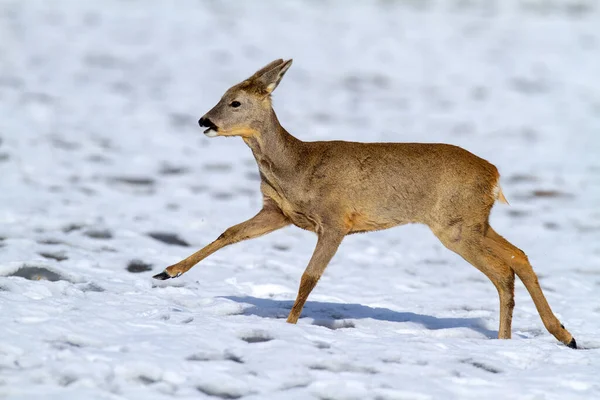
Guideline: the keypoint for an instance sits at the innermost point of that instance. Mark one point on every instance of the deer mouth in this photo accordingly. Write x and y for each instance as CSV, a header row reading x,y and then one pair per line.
x,y
212,130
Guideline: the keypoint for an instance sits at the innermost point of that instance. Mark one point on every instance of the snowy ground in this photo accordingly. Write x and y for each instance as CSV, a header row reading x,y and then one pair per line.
x,y
100,151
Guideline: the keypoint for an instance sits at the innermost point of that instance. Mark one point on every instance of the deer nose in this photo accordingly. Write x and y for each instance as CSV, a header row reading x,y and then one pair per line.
x,y
207,123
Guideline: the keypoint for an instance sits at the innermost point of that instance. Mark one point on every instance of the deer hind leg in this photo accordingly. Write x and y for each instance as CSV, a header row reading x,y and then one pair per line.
x,y
327,246
518,261
269,219
468,243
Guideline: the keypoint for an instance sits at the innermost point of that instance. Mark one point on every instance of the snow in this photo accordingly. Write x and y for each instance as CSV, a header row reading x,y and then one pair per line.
x,y
99,148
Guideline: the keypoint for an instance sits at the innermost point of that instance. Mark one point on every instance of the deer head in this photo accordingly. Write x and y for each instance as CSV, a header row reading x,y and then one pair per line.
x,y
245,106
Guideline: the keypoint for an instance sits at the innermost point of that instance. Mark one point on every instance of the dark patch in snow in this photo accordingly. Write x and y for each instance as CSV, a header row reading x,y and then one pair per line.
x,y
290,386
227,356
551,226
256,337
172,206
136,181
200,357
470,308
545,194
136,185
65,344
222,393
323,117
518,213
146,380
66,380
222,195
64,144
91,287
430,261
98,234
342,367
218,167
38,274
72,227
168,169
322,345
550,194
50,241
482,366
58,256
522,178
168,238
389,360
233,357
99,159
121,87
281,247
137,266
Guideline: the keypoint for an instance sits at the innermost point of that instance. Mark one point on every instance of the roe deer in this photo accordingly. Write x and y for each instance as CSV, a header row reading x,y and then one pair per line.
x,y
335,188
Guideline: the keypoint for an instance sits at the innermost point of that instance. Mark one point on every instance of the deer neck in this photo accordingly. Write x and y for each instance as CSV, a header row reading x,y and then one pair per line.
x,y
275,150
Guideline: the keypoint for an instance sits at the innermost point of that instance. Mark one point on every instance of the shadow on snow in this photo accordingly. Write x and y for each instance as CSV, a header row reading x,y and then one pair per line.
x,y
323,312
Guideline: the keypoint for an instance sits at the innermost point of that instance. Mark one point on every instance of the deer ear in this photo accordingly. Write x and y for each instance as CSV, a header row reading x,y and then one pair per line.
x,y
270,78
267,67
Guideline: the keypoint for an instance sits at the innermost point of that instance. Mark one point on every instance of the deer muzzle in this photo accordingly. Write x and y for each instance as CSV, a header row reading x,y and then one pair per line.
x,y
212,130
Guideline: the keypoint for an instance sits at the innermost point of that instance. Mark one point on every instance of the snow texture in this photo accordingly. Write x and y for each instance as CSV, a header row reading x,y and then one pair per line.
x,y
105,179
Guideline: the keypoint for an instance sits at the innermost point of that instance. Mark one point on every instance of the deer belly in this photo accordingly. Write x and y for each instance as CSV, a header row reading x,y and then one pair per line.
x,y
357,222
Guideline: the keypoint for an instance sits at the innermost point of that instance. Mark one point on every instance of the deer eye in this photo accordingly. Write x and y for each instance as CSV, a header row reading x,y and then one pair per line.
x,y
235,104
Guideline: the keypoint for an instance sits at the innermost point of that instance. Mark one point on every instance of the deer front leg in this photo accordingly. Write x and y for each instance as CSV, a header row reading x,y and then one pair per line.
x,y
269,219
327,245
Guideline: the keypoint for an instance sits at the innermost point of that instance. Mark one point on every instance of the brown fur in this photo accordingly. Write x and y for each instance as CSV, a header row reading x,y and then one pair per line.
x,y
336,188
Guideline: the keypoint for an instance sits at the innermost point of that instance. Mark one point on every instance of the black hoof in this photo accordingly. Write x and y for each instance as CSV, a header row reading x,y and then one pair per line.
x,y
163,276
572,344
